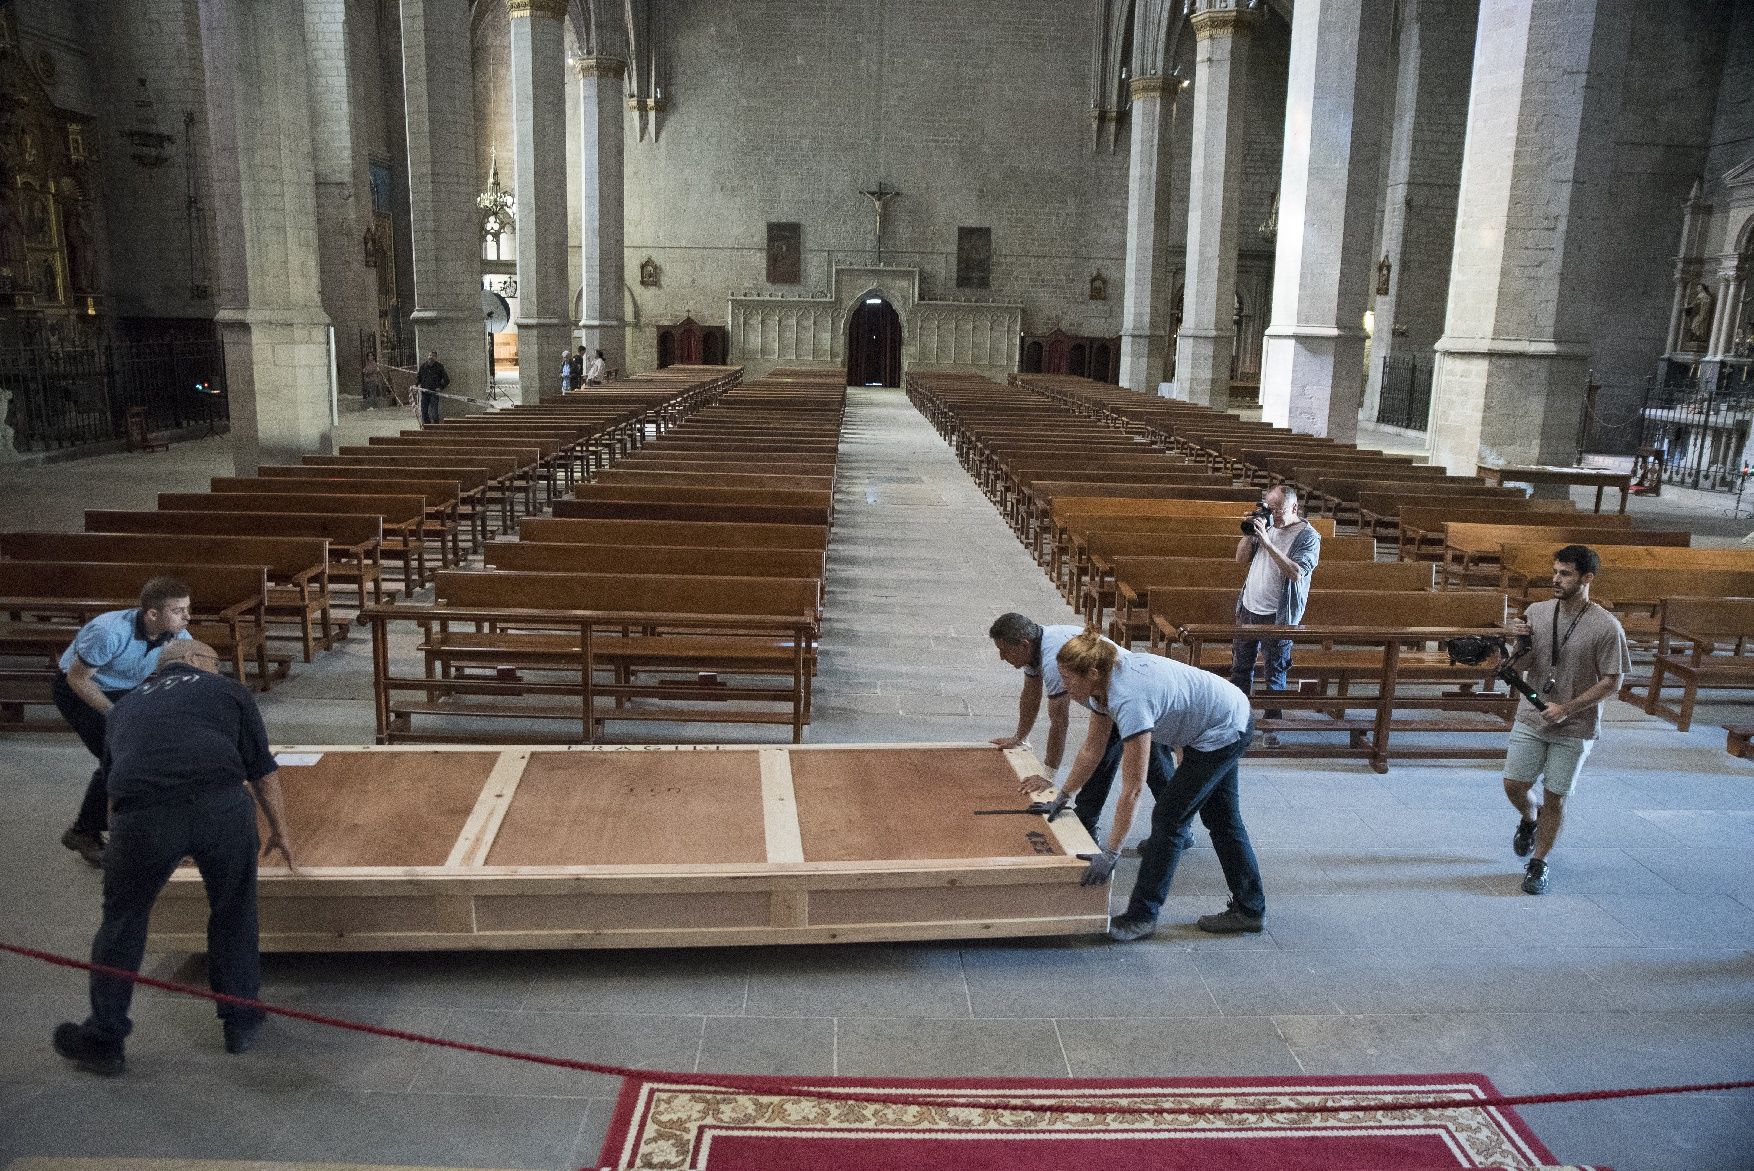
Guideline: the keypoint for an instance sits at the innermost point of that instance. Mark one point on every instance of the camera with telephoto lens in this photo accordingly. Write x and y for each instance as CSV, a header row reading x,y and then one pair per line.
x,y
1261,513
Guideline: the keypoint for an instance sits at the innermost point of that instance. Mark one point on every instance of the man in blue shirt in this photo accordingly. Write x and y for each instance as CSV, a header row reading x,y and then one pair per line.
x,y
1033,648
185,752
109,657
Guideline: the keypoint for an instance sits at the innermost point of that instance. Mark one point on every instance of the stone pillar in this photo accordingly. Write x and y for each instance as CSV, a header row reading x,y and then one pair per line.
x,y
445,227
1312,362
269,313
1144,343
1424,172
602,117
1514,360
1729,307
539,118
338,70
1205,346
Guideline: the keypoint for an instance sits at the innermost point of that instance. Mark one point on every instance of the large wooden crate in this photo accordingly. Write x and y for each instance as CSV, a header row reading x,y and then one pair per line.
x,y
416,848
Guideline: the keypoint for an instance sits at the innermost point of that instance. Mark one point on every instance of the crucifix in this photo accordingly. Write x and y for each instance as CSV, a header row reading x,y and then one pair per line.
x,y
879,198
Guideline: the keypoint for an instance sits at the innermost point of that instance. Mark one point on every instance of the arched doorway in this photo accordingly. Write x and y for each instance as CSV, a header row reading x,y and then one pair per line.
x,y
874,344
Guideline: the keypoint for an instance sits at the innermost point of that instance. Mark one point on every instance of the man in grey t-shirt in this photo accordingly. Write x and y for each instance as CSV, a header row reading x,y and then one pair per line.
x,y
1573,652
1281,557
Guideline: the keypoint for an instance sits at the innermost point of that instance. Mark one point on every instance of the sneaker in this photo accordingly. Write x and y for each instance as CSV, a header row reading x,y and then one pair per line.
x,y
240,1036
1124,930
1524,839
87,1052
87,845
1231,921
1535,879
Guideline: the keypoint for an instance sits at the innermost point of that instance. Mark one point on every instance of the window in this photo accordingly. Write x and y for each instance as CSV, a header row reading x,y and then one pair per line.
x,y
785,254
974,258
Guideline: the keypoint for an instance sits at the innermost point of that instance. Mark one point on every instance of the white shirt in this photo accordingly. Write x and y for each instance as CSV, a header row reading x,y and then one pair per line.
x,y
594,372
1264,588
1052,639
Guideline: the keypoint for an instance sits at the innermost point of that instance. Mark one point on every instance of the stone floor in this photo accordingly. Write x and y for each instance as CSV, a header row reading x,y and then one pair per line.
x,y
1397,939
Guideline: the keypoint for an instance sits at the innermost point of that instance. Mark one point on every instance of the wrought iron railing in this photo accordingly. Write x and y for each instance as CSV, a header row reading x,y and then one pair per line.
x,y
76,398
1700,428
1406,394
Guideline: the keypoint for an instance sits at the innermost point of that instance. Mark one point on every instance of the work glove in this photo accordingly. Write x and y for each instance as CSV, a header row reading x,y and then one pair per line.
x,y
1052,808
1102,867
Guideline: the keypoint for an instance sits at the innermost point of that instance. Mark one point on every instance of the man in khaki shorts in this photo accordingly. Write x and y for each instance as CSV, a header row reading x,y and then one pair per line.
x,y
1573,652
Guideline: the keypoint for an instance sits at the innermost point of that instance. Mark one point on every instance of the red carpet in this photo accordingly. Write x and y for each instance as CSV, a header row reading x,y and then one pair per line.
x,y
683,1127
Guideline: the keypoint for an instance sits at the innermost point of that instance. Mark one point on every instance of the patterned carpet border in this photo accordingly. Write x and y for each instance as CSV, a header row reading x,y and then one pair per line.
x,y
673,1125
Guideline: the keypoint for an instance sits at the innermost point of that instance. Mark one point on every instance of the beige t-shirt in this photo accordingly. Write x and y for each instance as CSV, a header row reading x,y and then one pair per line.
x,y
1595,647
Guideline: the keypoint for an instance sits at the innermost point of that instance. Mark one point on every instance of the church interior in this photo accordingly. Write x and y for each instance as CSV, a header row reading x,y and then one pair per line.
x,y
600,438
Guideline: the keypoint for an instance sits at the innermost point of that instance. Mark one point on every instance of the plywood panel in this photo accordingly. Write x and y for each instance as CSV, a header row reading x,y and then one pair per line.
x,y
889,803
381,809
634,808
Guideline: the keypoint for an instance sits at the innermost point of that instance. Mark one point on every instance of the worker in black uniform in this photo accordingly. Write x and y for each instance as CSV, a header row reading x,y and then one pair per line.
x,y
184,753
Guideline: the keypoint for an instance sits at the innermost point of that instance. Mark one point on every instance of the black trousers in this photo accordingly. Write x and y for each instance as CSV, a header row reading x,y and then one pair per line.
x,y
88,723
218,829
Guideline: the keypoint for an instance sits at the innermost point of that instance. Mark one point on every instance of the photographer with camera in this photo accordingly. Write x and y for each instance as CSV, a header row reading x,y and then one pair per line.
x,y
1281,550
1573,654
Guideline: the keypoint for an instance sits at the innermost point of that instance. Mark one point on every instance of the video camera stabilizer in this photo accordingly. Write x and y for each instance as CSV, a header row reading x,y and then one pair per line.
x,y
1471,650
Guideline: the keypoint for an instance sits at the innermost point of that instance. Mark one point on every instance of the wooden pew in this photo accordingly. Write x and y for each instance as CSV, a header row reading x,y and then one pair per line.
x,y
443,497
1379,509
1469,546
1136,577
401,517
1419,527
1388,642
228,602
668,533
1074,552
569,627
355,542
602,508
298,568
1703,642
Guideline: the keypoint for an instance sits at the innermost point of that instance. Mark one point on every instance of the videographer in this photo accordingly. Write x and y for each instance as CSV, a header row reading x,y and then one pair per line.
x,y
1281,550
1573,654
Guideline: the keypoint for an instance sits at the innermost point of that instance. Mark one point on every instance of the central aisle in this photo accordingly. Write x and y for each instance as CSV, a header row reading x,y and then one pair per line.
x,y
919,565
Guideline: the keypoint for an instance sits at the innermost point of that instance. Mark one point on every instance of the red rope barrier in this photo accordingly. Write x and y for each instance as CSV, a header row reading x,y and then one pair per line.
x,y
750,1084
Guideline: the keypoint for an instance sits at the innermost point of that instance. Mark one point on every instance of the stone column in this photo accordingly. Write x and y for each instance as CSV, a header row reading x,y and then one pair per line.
x,y
1514,360
269,312
1208,333
1424,172
1312,363
602,116
445,227
1144,343
339,69
539,118
1729,305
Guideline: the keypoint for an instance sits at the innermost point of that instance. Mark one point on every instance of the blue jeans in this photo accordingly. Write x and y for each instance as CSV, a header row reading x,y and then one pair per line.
x,y
217,827
1206,784
1094,795
1243,651
431,408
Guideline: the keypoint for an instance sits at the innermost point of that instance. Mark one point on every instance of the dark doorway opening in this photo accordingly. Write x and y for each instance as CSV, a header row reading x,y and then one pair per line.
x,y
874,345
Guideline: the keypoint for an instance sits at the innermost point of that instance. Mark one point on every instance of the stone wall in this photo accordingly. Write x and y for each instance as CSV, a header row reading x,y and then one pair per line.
x,y
978,113
1659,149
152,131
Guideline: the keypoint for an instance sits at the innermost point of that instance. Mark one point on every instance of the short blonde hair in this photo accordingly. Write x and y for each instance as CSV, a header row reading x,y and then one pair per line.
x,y
1090,654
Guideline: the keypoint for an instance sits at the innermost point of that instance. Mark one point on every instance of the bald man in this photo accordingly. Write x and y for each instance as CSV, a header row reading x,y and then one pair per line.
x,y
184,753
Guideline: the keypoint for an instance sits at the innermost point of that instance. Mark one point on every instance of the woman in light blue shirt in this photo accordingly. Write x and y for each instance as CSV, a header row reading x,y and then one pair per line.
x,y
1156,705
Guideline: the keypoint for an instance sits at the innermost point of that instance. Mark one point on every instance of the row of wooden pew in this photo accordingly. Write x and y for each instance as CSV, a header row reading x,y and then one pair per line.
x,y
682,584
1688,607
292,546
